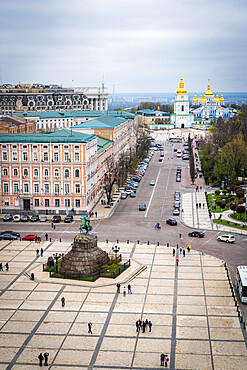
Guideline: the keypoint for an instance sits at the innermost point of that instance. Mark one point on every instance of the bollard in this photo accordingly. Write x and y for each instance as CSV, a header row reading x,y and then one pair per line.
x,y
241,319
167,244
177,246
107,241
137,241
148,242
158,243
128,241
243,325
50,239
117,241
60,240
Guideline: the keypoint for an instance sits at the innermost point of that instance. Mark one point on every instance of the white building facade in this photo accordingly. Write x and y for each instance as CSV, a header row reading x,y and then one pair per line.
x,y
182,118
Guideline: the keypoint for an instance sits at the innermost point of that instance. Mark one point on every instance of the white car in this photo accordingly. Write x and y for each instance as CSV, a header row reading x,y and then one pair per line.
x,y
43,218
152,182
179,154
17,218
226,238
175,212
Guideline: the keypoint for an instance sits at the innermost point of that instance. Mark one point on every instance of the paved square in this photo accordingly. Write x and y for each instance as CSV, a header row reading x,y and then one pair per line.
x,y
190,305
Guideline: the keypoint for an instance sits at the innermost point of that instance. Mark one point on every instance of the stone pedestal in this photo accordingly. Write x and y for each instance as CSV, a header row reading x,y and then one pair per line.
x,y
85,257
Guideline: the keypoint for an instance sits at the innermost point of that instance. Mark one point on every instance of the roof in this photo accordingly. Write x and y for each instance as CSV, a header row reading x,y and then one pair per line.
x,y
151,112
106,121
61,136
75,114
103,144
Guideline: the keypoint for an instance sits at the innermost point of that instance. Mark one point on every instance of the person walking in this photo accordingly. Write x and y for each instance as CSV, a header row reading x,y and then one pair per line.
x,y
129,289
203,205
166,359
177,260
162,358
41,358
90,327
37,252
96,214
124,291
46,355
36,238
63,301
118,288
46,236
184,252
143,326
137,326
41,252
1,266
150,326
180,251
173,252
7,266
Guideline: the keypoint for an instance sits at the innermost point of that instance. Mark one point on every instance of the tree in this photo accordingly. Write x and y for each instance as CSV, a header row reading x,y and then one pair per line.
x,y
240,209
110,177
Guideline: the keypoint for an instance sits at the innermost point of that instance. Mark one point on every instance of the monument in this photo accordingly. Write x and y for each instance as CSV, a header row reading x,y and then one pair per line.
x,y
85,258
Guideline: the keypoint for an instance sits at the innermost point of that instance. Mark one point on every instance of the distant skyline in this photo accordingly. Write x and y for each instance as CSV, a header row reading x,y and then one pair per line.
x,y
130,45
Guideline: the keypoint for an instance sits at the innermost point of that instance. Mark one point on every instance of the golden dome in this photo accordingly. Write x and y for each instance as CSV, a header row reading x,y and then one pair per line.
x,y
208,93
201,98
217,98
221,98
181,89
195,100
205,97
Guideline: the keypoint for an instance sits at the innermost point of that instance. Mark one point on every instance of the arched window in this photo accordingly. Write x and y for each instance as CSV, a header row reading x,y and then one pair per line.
x,y
77,173
182,108
46,172
15,172
36,172
5,172
56,172
25,172
66,173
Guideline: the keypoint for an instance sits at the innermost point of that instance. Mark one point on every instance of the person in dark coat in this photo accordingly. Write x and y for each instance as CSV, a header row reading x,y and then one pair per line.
x,y
46,236
41,358
129,289
150,326
7,266
143,326
41,252
1,266
173,252
184,252
137,325
90,327
118,288
46,355
162,358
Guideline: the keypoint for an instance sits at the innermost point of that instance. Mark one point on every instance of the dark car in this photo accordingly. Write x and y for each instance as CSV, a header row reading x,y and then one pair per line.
x,y
25,218
136,179
10,232
160,159
56,219
142,207
175,149
68,219
185,157
7,218
8,236
34,218
171,221
197,234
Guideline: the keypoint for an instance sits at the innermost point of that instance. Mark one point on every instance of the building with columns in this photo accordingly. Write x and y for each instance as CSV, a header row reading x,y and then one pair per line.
x,y
41,98
182,118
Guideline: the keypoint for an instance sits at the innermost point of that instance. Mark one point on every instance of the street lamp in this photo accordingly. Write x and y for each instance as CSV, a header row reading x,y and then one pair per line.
x,y
116,249
66,177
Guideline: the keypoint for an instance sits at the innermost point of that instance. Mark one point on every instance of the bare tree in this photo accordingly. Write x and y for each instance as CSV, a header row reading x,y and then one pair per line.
x,y
110,178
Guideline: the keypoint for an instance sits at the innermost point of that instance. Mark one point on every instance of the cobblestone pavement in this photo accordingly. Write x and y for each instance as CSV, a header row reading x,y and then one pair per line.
x,y
194,317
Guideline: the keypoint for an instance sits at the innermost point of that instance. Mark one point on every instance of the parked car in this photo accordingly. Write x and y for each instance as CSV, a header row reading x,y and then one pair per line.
x,y
34,218
179,154
132,195
30,237
68,219
178,179
128,192
8,236
17,218
11,232
197,234
171,221
25,218
176,204
175,149
152,182
162,154
186,157
8,217
160,159
43,218
56,219
175,212
123,196
142,207
226,238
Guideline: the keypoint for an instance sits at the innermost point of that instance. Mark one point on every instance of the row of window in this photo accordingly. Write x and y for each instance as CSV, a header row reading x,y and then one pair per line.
x,y
46,188
36,172
47,203
45,156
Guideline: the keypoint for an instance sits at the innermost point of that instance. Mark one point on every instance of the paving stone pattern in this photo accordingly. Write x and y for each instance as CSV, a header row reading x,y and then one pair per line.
x,y
190,305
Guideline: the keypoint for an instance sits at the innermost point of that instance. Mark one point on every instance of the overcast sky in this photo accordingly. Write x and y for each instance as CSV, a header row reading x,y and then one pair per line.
x,y
135,45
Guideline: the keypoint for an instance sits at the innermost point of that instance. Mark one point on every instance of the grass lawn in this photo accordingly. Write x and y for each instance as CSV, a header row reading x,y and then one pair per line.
x,y
212,203
229,223
238,216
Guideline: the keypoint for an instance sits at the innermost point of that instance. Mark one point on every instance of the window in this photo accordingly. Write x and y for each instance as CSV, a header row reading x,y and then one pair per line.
x,y
47,188
47,202
5,172
5,187
66,188
46,157
77,203
182,108
77,188
36,202
67,202
46,172
16,187
55,156
25,172
77,173
56,188
36,188
56,172
6,202
77,157
66,157
36,172
66,173
35,156
26,188
14,156
5,156
24,156
57,202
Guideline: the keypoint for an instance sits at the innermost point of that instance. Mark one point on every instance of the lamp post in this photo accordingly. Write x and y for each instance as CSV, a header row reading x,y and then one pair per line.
x,y
116,249
66,177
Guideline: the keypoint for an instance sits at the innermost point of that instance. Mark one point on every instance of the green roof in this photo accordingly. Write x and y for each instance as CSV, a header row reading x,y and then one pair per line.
x,y
102,122
103,144
74,114
61,136
151,112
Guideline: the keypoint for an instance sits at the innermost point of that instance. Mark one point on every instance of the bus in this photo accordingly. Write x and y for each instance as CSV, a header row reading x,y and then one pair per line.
x,y
175,139
241,281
